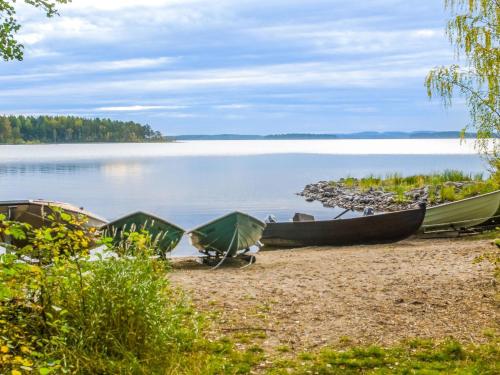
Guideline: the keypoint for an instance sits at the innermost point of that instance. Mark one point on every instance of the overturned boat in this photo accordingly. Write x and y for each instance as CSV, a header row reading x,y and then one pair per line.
x,y
462,214
372,229
164,235
36,212
228,236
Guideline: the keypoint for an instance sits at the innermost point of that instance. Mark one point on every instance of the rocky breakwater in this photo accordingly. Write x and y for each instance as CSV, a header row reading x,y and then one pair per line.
x,y
349,196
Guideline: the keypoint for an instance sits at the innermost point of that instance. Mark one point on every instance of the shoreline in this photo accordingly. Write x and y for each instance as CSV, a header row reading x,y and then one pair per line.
x,y
339,195
350,196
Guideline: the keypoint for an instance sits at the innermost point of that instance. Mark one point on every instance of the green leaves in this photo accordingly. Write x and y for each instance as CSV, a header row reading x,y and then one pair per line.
x,y
16,230
474,31
10,48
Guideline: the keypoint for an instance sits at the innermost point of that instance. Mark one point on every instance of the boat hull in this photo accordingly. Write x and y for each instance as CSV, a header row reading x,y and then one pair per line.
x,y
462,214
229,234
382,228
35,212
165,235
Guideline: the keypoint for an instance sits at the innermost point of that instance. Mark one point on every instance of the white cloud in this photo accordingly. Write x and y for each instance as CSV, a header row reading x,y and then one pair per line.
x,y
58,71
109,21
114,5
67,27
360,109
336,38
133,108
232,106
319,74
180,115
114,65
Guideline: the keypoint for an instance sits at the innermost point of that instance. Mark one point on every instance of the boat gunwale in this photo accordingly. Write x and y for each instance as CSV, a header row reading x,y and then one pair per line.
x,y
424,208
42,202
144,213
464,200
196,229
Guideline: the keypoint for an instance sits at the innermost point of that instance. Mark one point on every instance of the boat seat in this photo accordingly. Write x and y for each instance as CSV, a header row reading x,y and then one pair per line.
x,y
302,217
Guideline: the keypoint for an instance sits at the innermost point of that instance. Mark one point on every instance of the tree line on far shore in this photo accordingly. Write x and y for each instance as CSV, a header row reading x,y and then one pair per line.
x,y
70,129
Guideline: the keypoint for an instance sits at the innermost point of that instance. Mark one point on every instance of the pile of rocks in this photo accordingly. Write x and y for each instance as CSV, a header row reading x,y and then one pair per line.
x,y
337,194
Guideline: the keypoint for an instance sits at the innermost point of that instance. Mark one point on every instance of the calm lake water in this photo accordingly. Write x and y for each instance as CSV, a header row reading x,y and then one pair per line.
x,y
192,182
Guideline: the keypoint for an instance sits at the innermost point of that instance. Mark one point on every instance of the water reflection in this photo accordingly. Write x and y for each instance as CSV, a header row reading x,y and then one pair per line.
x,y
46,168
123,169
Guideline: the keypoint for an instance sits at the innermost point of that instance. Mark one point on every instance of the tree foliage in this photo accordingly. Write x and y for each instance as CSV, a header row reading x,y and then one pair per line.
x,y
10,48
473,30
69,129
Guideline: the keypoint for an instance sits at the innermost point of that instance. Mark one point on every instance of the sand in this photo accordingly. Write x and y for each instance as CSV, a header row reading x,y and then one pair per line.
x,y
382,294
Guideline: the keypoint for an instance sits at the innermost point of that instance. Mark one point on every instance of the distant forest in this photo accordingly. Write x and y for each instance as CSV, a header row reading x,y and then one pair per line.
x,y
304,136
69,129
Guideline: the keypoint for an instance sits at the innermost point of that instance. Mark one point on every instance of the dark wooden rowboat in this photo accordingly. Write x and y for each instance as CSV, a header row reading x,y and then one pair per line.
x,y
381,228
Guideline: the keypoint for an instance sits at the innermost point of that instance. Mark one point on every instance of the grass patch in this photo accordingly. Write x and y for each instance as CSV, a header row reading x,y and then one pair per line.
x,y
440,187
412,357
283,348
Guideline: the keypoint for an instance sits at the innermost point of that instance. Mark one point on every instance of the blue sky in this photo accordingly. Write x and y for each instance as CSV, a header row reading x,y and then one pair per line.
x,y
235,66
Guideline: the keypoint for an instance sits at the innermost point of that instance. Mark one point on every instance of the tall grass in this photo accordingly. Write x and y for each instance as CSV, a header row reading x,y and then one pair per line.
x,y
133,321
448,193
436,182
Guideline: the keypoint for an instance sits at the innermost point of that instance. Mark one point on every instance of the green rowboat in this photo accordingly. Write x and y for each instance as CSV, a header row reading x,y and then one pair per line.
x,y
227,236
165,235
462,214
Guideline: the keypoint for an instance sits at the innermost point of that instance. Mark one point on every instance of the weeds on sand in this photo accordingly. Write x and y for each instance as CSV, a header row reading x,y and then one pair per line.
x,y
412,357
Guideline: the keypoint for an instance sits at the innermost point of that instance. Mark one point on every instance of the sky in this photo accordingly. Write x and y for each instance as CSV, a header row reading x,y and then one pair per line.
x,y
235,66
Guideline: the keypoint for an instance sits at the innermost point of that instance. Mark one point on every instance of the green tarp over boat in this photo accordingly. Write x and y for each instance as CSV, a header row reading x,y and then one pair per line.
x,y
462,214
228,235
165,235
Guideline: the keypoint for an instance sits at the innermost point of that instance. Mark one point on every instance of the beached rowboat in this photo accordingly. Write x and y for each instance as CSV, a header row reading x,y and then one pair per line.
x,y
227,236
36,211
461,214
165,236
381,228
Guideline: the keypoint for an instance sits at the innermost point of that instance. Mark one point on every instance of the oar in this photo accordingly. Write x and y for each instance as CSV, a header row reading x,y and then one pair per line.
x,y
336,217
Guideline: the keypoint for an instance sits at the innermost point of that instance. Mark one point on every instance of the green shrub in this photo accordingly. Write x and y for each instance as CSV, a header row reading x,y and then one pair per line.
x,y
132,320
61,313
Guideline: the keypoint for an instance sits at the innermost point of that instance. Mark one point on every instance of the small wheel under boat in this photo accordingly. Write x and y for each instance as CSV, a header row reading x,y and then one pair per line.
x,y
251,259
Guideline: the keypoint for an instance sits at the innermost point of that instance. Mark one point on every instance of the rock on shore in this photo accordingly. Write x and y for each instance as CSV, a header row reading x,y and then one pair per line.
x,y
337,194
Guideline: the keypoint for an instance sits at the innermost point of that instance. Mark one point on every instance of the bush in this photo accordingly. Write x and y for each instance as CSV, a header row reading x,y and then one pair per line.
x,y
61,312
132,320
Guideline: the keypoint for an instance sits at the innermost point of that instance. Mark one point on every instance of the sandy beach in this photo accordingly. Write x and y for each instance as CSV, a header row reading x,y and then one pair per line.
x,y
313,297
